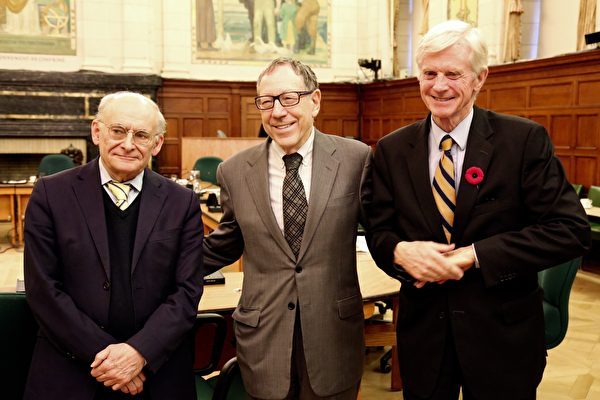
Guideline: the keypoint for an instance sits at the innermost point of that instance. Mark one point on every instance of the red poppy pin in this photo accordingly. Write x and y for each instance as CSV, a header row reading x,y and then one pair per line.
x,y
474,175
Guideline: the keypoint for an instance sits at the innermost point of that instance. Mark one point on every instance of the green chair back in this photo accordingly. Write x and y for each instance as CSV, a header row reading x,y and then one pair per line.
x,y
557,282
594,194
208,168
578,188
53,163
229,385
18,332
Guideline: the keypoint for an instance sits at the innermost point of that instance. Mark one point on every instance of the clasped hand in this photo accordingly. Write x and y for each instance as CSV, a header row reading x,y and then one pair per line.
x,y
120,367
433,262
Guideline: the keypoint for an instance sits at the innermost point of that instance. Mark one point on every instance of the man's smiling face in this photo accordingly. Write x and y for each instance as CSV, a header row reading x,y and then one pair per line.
x,y
289,127
449,85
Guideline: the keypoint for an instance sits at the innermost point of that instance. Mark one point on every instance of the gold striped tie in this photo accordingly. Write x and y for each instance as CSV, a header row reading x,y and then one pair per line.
x,y
444,190
121,192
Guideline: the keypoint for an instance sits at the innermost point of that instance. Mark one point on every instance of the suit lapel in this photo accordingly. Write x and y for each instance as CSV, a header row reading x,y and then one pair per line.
x,y
88,192
257,180
324,171
479,153
418,167
152,198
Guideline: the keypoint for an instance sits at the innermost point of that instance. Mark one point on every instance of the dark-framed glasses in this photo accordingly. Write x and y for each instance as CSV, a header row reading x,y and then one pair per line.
x,y
118,132
286,99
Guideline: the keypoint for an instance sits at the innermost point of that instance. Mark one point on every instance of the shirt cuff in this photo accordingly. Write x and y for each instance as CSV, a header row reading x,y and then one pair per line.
x,y
475,254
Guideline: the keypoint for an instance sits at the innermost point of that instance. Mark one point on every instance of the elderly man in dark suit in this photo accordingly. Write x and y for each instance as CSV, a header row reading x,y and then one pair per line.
x,y
291,207
112,268
466,207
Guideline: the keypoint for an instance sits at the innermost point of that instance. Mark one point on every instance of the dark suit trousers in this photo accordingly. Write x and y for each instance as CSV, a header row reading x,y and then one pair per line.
x,y
451,380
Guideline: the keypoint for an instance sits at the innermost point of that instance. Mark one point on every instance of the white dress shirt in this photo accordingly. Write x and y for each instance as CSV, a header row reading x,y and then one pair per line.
x,y
277,174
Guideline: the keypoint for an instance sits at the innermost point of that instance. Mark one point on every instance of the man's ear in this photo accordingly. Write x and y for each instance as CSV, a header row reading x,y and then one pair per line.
x,y
315,97
481,79
95,132
158,144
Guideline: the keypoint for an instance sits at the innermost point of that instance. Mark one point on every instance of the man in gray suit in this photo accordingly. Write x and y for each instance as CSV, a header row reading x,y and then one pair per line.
x,y
291,207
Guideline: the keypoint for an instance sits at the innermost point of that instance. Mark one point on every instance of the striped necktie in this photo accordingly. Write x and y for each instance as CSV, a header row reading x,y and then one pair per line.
x,y
444,190
295,205
121,192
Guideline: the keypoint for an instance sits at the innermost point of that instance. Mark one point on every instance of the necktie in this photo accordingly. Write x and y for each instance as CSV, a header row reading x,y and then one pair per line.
x,y
444,190
294,203
120,191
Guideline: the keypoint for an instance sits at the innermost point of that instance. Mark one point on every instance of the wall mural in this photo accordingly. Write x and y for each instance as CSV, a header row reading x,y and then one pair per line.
x,y
465,10
257,31
38,27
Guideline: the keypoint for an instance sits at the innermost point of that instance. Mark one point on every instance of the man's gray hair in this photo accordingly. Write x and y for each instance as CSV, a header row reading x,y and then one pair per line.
x,y
109,98
303,70
452,32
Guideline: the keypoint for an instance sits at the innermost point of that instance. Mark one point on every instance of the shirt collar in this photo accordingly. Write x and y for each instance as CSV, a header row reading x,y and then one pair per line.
x,y
305,150
105,177
460,134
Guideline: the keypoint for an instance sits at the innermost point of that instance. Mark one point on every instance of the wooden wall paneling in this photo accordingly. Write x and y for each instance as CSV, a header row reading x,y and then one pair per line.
x,y
196,147
250,117
561,131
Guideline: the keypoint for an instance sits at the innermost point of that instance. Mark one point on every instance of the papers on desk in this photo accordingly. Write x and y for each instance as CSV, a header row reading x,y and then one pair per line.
x,y
20,285
361,245
215,190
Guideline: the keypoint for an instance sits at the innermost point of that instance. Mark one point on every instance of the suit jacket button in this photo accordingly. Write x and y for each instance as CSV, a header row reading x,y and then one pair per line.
x,y
298,269
291,306
106,285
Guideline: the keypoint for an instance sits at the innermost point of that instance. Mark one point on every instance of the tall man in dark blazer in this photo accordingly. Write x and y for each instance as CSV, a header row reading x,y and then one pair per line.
x,y
299,324
467,206
112,268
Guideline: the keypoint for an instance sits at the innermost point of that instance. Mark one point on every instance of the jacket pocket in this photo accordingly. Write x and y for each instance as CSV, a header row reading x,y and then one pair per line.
x,y
525,307
350,306
170,234
247,316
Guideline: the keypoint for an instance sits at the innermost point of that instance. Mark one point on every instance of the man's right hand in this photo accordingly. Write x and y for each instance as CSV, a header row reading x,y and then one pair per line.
x,y
425,261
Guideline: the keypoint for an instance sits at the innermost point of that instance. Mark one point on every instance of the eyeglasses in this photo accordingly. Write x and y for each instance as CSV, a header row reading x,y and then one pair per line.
x,y
286,99
118,132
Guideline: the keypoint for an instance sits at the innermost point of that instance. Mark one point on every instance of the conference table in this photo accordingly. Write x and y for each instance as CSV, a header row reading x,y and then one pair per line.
x,y
13,200
593,212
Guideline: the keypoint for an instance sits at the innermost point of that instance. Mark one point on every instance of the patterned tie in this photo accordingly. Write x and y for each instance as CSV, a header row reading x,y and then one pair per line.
x,y
294,202
120,191
444,190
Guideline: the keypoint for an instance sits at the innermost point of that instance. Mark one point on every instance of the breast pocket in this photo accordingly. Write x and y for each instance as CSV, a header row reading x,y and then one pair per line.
x,y
343,200
168,234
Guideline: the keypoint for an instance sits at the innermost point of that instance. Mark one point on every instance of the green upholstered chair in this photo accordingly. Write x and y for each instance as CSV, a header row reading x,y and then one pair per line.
x,y
18,332
209,334
578,188
229,385
208,168
594,195
557,282
53,163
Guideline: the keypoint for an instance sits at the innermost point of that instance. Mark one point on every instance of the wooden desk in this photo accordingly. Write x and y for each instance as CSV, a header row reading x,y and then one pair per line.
x,y
593,212
374,285
13,201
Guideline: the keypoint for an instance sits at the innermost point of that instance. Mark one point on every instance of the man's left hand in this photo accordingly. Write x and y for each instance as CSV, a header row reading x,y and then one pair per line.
x,y
464,257
117,365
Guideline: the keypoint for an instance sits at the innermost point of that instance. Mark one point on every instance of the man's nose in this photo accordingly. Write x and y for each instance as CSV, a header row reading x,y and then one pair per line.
x,y
278,109
128,141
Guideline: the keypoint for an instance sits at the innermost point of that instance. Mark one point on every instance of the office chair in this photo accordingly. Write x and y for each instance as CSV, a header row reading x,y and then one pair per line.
x,y
18,332
557,282
594,195
578,188
208,168
210,330
53,163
